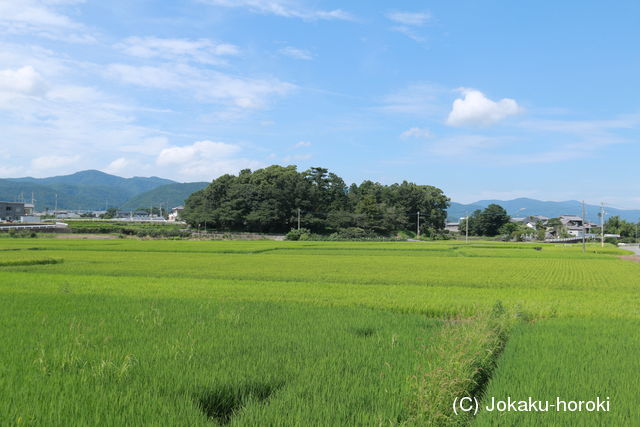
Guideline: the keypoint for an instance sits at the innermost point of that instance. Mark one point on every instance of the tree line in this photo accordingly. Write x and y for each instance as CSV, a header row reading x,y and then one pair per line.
x,y
274,199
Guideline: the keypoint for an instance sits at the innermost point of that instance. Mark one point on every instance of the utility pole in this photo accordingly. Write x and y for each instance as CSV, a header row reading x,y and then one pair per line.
x,y
602,224
56,205
466,221
298,218
418,226
584,241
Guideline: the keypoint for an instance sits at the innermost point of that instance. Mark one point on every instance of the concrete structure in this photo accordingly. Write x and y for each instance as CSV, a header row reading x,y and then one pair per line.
x,y
29,219
531,221
575,225
175,213
452,227
12,211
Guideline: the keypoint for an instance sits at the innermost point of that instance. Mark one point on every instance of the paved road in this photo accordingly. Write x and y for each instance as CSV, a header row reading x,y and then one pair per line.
x,y
635,249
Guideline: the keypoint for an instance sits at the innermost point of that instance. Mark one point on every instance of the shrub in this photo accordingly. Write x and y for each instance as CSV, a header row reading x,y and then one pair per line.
x,y
298,234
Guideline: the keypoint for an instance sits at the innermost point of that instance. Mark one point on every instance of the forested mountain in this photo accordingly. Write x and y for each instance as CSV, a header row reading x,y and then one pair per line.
x,y
170,196
268,200
524,206
91,190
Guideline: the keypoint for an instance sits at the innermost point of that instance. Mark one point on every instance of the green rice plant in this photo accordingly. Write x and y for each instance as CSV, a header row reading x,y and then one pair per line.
x,y
309,333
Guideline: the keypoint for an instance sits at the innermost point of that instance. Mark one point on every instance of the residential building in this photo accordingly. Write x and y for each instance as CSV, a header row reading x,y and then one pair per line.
x,y
175,213
12,211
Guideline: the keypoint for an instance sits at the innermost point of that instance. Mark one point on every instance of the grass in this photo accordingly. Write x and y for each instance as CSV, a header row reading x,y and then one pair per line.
x,y
309,333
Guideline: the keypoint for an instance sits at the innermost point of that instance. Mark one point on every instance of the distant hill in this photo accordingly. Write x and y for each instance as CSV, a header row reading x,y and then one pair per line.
x,y
90,190
523,207
171,194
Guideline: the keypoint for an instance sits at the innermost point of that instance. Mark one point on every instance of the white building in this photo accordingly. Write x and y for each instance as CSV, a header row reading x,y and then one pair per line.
x,y
175,213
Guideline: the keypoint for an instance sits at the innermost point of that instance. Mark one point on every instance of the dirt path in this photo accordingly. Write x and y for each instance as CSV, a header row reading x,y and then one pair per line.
x,y
635,257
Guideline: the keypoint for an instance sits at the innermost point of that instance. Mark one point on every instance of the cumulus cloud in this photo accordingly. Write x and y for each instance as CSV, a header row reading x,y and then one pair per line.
x,y
475,109
205,159
302,144
296,53
206,85
284,8
201,50
201,150
23,80
416,133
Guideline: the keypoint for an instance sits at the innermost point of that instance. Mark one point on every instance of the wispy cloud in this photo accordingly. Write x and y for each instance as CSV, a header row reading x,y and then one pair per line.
x,y
42,18
201,50
416,133
423,99
302,144
206,85
283,8
407,23
294,52
414,19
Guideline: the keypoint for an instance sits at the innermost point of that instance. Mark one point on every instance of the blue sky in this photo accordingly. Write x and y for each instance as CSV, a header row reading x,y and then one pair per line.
x,y
484,99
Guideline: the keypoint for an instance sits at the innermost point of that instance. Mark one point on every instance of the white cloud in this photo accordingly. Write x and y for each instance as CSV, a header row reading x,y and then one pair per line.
x,y
198,151
117,166
416,133
42,18
416,19
202,50
23,80
284,8
302,144
10,171
46,163
408,22
296,53
475,109
205,159
206,85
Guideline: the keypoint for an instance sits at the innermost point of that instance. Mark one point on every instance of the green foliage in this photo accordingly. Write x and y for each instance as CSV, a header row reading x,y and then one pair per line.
x,y
110,213
298,234
139,229
133,332
487,222
81,190
169,196
628,231
268,200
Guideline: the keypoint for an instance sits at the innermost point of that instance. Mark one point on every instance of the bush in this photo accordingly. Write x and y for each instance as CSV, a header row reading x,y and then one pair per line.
x,y
298,234
352,233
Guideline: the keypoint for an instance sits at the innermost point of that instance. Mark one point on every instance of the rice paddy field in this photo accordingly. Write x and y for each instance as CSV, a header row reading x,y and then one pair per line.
x,y
158,332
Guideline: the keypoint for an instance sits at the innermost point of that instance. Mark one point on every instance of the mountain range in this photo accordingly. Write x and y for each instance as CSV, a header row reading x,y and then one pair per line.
x,y
95,190
525,207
